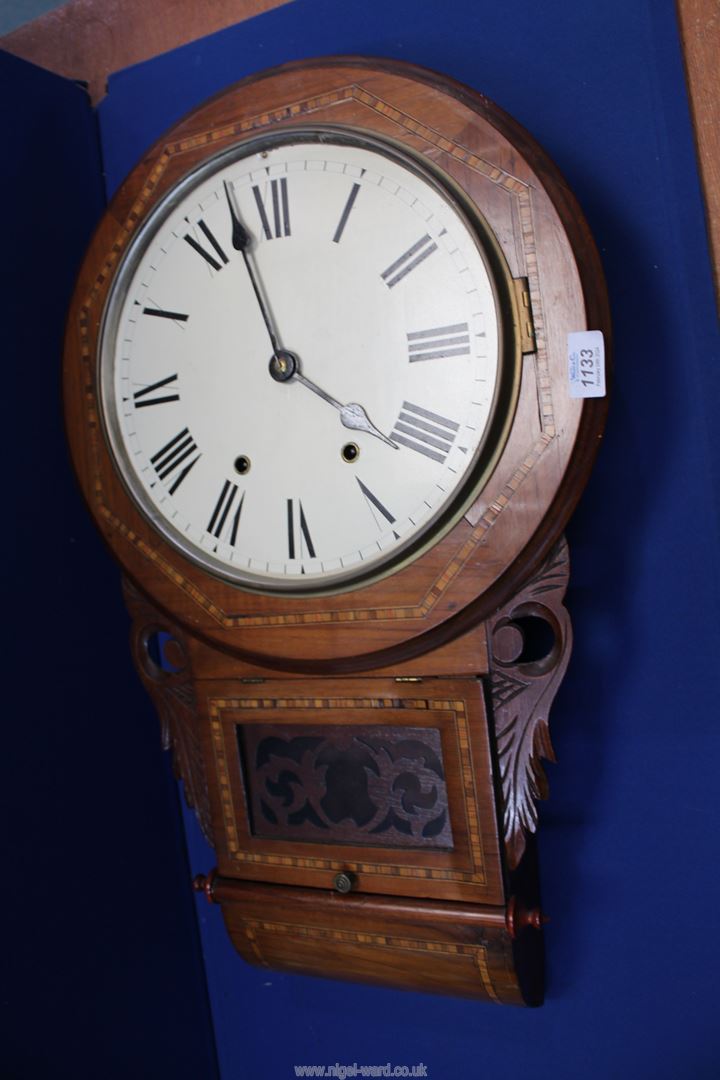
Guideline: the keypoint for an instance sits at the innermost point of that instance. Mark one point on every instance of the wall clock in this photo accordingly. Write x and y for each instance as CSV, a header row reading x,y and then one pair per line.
x,y
334,384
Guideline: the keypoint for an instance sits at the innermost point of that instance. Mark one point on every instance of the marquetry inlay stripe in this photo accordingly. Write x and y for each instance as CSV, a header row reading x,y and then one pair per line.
x,y
477,953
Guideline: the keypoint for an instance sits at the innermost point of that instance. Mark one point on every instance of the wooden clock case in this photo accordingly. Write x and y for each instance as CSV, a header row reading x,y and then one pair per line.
x,y
366,763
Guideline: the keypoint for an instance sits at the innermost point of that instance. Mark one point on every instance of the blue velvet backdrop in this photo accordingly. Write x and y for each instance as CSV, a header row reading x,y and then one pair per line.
x,y
100,962
628,847
628,876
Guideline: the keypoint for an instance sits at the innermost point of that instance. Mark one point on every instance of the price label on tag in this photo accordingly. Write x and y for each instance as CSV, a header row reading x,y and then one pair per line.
x,y
586,364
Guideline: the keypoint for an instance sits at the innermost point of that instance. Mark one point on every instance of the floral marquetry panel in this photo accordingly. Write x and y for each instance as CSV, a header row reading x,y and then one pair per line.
x,y
347,784
388,782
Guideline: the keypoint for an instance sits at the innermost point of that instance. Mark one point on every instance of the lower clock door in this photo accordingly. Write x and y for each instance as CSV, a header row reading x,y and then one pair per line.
x,y
384,787
431,945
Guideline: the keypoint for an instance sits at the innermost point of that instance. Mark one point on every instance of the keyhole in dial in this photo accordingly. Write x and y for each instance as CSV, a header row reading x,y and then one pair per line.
x,y
350,452
242,465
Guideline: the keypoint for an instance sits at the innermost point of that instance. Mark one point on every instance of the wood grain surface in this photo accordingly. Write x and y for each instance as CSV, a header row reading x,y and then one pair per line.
x,y
248,746
700,34
545,459
437,947
88,40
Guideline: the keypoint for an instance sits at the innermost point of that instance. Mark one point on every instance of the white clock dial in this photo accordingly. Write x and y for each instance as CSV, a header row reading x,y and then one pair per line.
x,y
301,361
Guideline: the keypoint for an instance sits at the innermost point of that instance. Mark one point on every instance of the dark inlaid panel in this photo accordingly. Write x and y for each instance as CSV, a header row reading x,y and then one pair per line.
x,y
336,784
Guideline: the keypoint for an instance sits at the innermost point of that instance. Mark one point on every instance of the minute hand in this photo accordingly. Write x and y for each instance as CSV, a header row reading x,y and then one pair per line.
x,y
284,365
241,243
352,416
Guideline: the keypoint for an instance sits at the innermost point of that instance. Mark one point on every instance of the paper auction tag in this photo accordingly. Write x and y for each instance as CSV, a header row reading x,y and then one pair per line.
x,y
586,364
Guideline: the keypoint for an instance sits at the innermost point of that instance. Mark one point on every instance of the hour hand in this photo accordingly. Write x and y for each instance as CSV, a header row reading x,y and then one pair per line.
x,y
352,416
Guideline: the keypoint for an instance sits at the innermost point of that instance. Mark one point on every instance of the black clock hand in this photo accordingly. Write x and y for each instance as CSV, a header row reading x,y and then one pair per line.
x,y
284,365
241,243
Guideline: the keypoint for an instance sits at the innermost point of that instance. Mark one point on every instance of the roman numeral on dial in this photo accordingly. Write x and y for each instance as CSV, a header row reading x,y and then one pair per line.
x,y
171,461
275,216
439,342
407,262
202,250
160,313
374,501
376,507
425,431
299,539
346,213
226,515
154,395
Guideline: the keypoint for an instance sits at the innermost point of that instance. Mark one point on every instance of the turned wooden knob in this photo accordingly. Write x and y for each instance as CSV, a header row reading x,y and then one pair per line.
x,y
518,918
204,883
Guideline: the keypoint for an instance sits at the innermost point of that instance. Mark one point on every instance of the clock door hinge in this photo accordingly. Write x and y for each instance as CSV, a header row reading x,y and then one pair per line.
x,y
526,325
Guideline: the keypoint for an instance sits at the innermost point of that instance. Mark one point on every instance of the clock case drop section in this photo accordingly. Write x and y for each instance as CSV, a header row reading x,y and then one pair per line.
x,y
456,915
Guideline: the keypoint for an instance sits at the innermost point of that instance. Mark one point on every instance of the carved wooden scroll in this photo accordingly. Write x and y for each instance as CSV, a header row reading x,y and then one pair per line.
x,y
166,675
531,641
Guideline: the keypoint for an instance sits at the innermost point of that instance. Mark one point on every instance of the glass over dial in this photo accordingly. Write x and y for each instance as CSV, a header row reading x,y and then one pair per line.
x,y
301,363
